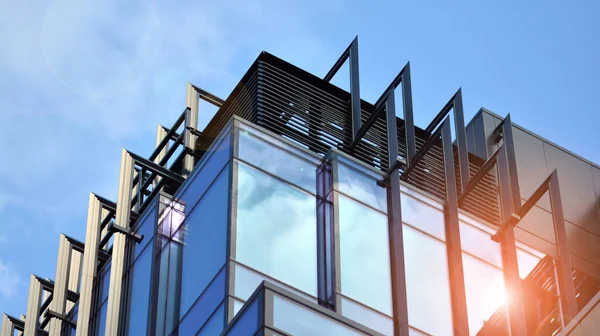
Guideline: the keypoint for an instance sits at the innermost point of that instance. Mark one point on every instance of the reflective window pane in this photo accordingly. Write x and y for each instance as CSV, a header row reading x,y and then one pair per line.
x,y
270,158
423,216
246,282
237,305
427,283
203,308
298,320
480,244
203,175
105,280
247,322
205,241
214,326
140,293
367,317
484,285
364,255
102,319
145,227
276,229
527,262
361,187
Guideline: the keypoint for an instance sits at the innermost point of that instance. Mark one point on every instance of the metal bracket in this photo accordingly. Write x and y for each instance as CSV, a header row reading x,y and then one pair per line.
x,y
52,314
112,227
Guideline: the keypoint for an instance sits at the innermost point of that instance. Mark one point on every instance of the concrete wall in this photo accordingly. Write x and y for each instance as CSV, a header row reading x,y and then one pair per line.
x,y
579,186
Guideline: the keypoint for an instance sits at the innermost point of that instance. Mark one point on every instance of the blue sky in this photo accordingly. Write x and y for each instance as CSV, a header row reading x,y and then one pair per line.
x,y
79,81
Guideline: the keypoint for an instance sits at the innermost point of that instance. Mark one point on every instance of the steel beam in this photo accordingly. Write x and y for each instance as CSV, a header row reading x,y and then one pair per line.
x,y
409,124
351,54
191,121
122,218
90,263
396,235
33,307
565,271
161,134
512,280
453,242
59,299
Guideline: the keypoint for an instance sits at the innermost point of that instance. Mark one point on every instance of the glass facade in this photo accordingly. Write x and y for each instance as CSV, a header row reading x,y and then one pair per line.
x,y
258,210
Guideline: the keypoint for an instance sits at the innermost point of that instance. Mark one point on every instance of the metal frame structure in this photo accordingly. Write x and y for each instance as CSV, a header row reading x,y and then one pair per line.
x,y
10,324
402,152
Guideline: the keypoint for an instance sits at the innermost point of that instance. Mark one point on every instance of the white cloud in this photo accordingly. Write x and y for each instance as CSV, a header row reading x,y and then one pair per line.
x,y
9,279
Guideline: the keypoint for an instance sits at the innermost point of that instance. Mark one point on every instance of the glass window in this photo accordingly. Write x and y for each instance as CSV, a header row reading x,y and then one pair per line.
x,y
270,158
205,174
300,321
205,241
427,283
237,305
484,285
145,227
361,187
423,216
106,280
480,244
364,255
276,229
247,323
215,324
102,319
367,317
527,262
204,306
246,282
140,293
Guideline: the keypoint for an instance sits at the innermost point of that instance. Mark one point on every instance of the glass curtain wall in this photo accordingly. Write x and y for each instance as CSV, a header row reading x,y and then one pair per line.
x,y
274,225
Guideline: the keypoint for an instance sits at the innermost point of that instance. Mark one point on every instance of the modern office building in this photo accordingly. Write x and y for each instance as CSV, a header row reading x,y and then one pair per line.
x,y
301,209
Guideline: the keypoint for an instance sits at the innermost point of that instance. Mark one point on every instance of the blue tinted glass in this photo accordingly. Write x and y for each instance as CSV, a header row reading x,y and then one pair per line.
x,y
140,292
361,187
214,326
365,255
205,241
202,309
146,227
427,283
423,216
247,323
367,317
106,280
204,175
276,229
246,282
102,319
162,261
484,286
480,244
172,309
298,320
277,161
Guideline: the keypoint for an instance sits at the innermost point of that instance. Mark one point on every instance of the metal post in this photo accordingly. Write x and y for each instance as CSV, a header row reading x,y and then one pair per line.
x,y
354,88
33,307
191,122
161,133
90,265
396,235
453,244
59,298
74,275
565,271
122,219
461,140
7,326
409,124
512,280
